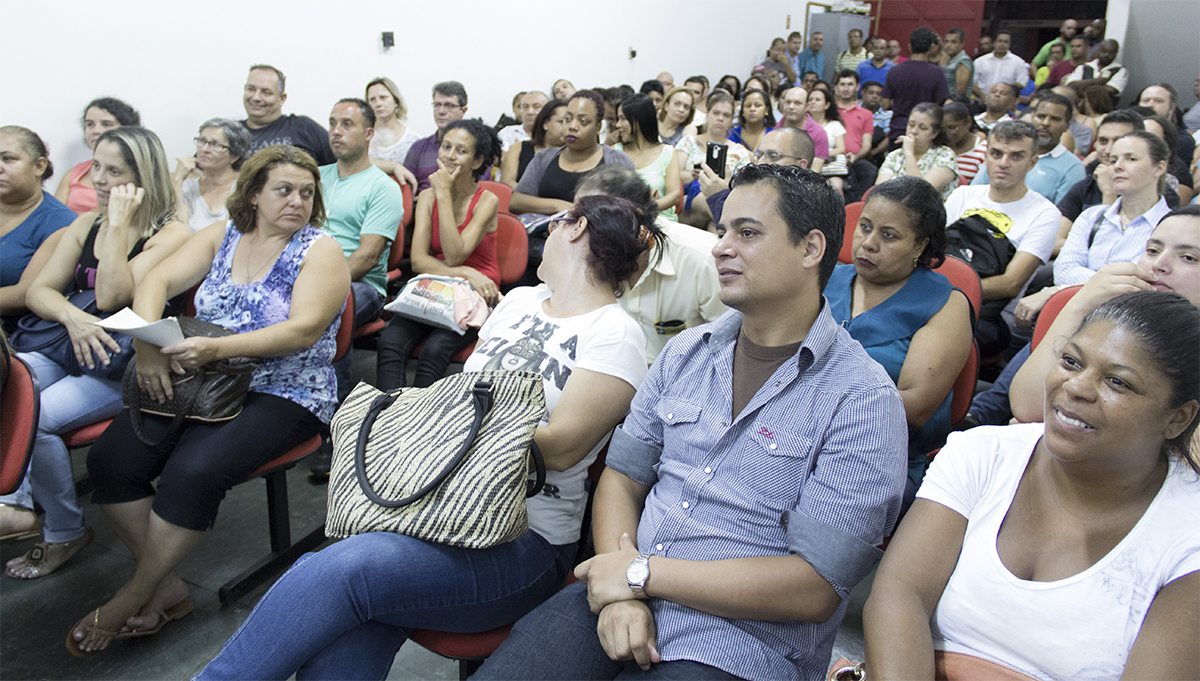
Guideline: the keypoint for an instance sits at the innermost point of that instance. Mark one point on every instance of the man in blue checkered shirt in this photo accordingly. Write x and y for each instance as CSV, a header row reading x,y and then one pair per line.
x,y
761,463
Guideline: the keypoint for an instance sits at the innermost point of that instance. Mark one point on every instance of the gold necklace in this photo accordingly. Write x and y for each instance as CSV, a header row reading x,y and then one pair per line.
x,y
249,253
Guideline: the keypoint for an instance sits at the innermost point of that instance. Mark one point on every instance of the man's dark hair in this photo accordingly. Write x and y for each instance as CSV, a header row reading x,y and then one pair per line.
x,y
1051,97
854,30
624,90
452,88
1003,31
1143,111
1124,117
703,80
962,35
652,86
795,34
923,39
846,73
1014,131
870,83
368,113
806,202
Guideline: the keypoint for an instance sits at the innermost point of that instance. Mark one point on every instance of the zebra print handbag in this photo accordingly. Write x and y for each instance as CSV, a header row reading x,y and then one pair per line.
x,y
448,464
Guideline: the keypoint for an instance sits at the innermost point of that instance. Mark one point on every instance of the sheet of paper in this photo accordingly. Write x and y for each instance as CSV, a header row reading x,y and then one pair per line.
x,y
162,333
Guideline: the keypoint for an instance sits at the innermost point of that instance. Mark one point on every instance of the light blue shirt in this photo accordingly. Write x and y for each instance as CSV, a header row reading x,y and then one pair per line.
x,y
1053,176
807,61
814,465
1077,261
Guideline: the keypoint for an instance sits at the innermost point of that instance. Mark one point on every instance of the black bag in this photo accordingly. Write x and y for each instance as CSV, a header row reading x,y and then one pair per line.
x,y
975,240
210,393
51,339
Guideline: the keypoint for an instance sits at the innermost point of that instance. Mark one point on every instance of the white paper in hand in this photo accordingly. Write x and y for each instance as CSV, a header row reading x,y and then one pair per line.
x,y
162,333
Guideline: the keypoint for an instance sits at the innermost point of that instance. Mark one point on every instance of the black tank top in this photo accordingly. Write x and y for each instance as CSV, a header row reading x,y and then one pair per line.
x,y
560,184
85,269
524,157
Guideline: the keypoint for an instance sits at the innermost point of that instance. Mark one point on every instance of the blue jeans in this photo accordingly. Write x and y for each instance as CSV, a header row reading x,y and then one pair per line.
x,y
368,305
67,402
992,406
558,641
344,612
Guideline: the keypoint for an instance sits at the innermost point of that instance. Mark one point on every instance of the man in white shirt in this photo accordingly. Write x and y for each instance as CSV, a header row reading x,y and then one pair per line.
x,y
1057,169
1103,70
1000,66
1027,218
672,292
530,106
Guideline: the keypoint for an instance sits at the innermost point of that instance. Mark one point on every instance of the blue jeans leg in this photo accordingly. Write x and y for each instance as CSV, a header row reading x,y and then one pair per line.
x,y
557,641
992,405
67,402
311,622
368,305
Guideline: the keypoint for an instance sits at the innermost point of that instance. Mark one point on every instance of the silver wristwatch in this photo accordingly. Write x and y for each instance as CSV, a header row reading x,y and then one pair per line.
x,y
637,573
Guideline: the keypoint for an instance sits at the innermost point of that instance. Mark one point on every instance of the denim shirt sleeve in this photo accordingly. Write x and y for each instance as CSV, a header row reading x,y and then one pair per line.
x,y
637,443
852,500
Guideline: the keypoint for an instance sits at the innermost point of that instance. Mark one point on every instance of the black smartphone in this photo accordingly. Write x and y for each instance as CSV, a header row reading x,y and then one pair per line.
x,y
715,158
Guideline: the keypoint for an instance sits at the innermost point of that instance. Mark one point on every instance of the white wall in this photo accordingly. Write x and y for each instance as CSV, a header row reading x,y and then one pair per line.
x,y
181,63
1160,46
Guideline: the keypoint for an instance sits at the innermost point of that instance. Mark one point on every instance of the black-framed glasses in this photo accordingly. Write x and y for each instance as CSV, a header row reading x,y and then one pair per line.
x,y
202,142
771,155
556,221
445,106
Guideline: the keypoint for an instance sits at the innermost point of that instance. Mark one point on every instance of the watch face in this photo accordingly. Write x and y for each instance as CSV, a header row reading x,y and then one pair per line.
x,y
637,573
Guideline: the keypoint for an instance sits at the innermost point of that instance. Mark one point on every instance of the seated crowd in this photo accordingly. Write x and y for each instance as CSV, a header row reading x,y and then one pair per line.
x,y
704,264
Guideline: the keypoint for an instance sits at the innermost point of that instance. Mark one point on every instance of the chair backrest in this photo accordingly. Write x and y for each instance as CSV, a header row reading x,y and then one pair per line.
x,y
1050,311
19,418
512,248
853,213
407,192
501,190
963,278
964,386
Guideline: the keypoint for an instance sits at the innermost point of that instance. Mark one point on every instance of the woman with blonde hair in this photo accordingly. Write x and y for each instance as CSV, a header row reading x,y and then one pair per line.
x,y
392,137
106,251
675,117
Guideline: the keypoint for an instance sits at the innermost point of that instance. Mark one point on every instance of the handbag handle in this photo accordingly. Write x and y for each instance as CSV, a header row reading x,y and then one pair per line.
x,y
135,409
481,398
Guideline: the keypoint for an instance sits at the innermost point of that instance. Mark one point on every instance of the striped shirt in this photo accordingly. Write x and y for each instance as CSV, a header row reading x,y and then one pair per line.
x,y
814,465
969,162
1083,254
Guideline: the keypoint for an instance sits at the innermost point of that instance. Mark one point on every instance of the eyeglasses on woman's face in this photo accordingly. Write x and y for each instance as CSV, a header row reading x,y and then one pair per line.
x,y
205,143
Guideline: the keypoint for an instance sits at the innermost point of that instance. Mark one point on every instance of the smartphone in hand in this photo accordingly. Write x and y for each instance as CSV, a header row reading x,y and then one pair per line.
x,y
715,158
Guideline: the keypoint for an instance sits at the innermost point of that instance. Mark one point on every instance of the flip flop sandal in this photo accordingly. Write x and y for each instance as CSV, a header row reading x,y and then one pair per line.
x,y
35,559
88,631
172,613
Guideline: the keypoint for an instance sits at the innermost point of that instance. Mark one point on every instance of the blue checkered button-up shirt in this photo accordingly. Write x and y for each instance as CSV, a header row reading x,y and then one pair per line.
x,y
814,465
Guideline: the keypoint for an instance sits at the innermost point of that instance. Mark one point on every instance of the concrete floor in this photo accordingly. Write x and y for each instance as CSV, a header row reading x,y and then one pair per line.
x,y
36,615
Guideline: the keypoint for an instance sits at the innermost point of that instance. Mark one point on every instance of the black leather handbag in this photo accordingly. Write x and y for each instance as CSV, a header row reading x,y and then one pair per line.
x,y
209,393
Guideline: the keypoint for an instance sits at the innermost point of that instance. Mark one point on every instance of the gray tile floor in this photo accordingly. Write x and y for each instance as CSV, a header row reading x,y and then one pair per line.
x,y
35,616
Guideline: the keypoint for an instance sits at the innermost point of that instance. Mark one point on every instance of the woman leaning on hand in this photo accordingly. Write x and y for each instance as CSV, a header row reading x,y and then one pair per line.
x,y
274,279
924,152
454,236
1069,550
108,251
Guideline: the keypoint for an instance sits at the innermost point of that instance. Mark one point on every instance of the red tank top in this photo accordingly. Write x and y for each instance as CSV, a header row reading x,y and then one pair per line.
x,y
484,257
